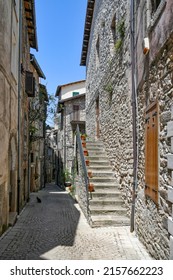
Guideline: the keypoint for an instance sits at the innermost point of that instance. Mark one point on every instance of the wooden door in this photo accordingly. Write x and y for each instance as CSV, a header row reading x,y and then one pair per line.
x,y
151,152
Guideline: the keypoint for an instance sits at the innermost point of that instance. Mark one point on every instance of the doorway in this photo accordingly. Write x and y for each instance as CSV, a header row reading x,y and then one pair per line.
x,y
97,118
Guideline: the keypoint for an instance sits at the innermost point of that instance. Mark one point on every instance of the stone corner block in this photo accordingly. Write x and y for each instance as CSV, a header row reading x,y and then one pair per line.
x,y
170,194
170,161
171,248
170,225
170,129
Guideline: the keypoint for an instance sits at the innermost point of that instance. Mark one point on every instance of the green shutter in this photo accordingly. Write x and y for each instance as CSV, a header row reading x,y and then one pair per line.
x,y
75,93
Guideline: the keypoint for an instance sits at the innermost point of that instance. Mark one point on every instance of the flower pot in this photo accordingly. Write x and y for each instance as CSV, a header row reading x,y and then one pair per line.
x,y
87,162
85,153
67,184
84,144
90,174
83,137
91,187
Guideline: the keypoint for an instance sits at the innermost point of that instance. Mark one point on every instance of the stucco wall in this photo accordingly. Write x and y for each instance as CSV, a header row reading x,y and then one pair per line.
x,y
8,117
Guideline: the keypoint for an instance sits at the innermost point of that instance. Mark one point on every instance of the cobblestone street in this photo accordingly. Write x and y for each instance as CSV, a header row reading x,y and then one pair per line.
x,y
57,230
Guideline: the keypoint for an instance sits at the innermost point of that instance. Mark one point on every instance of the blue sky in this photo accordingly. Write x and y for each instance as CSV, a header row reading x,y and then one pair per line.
x,y
60,27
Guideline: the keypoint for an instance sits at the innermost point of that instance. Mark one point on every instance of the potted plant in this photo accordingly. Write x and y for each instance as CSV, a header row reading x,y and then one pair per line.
x,y
67,178
83,136
91,187
85,153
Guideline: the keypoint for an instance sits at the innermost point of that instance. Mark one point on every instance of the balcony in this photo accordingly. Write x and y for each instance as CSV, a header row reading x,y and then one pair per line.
x,y
76,117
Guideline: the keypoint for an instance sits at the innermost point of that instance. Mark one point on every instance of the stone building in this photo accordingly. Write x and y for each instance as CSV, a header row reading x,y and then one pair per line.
x,y
51,154
127,50
71,111
154,85
37,118
18,35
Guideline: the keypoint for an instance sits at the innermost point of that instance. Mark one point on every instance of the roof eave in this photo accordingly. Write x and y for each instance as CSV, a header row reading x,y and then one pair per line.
x,y
37,66
87,30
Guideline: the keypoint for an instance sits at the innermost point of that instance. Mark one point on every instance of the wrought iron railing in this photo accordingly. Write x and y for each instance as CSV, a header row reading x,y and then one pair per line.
x,y
84,168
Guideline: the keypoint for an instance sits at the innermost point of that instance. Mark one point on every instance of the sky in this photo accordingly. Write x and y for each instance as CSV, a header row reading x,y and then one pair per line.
x,y
60,28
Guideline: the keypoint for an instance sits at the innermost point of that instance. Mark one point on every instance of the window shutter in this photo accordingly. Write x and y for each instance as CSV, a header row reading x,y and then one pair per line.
x,y
75,93
76,116
151,152
29,84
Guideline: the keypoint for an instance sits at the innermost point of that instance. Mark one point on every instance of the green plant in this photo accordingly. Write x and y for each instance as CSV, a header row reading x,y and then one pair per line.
x,y
121,32
108,87
67,175
118,44
121,28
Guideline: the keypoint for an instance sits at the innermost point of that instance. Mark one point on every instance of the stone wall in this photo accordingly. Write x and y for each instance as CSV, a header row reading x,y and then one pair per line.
x,y
109,81
69,129
152,220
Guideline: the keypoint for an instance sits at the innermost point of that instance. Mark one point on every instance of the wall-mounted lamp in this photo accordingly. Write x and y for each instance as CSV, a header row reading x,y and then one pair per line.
x,y
146,46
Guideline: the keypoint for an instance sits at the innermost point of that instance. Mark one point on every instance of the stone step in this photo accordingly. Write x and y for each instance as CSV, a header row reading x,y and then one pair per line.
x,y
96,157
102,167
99,153
102,173
103,180
106,202
109,220
107,209
109,194
94,144
99,163
106,188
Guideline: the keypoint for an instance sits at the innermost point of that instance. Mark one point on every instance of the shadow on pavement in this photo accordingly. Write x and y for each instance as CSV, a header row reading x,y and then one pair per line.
x,y
43,226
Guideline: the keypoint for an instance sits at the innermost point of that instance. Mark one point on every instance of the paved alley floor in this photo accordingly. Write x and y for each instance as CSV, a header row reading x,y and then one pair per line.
x,y
56,229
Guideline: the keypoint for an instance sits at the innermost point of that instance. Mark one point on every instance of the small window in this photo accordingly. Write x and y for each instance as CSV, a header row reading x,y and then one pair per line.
x,y
97,53
113,28
32,157
75,93
113,35
155,4
62,120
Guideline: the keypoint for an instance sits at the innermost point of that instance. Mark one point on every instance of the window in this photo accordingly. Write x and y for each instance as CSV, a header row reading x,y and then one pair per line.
x,y
97,53
155,4
62,120
76,113
74,93
29,84
113,28
113,35
151,152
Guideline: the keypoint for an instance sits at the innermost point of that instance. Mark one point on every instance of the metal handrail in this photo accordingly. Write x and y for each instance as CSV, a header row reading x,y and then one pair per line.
x,y
85,172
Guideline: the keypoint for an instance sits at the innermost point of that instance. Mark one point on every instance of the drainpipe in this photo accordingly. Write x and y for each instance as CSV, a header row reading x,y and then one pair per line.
x,y
134,113
19,106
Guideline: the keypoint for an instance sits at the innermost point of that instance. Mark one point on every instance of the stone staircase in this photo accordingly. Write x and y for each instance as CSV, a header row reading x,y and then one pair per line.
x,y
106,205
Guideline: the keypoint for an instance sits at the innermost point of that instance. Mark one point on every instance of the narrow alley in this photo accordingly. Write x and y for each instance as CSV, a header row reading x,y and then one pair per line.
x,y
56,229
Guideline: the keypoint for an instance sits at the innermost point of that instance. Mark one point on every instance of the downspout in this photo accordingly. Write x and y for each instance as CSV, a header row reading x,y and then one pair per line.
x,y
134,113
19,107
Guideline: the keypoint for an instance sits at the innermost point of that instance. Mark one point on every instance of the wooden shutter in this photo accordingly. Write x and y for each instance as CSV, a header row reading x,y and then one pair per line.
x,y
76,113
151,152
29,84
